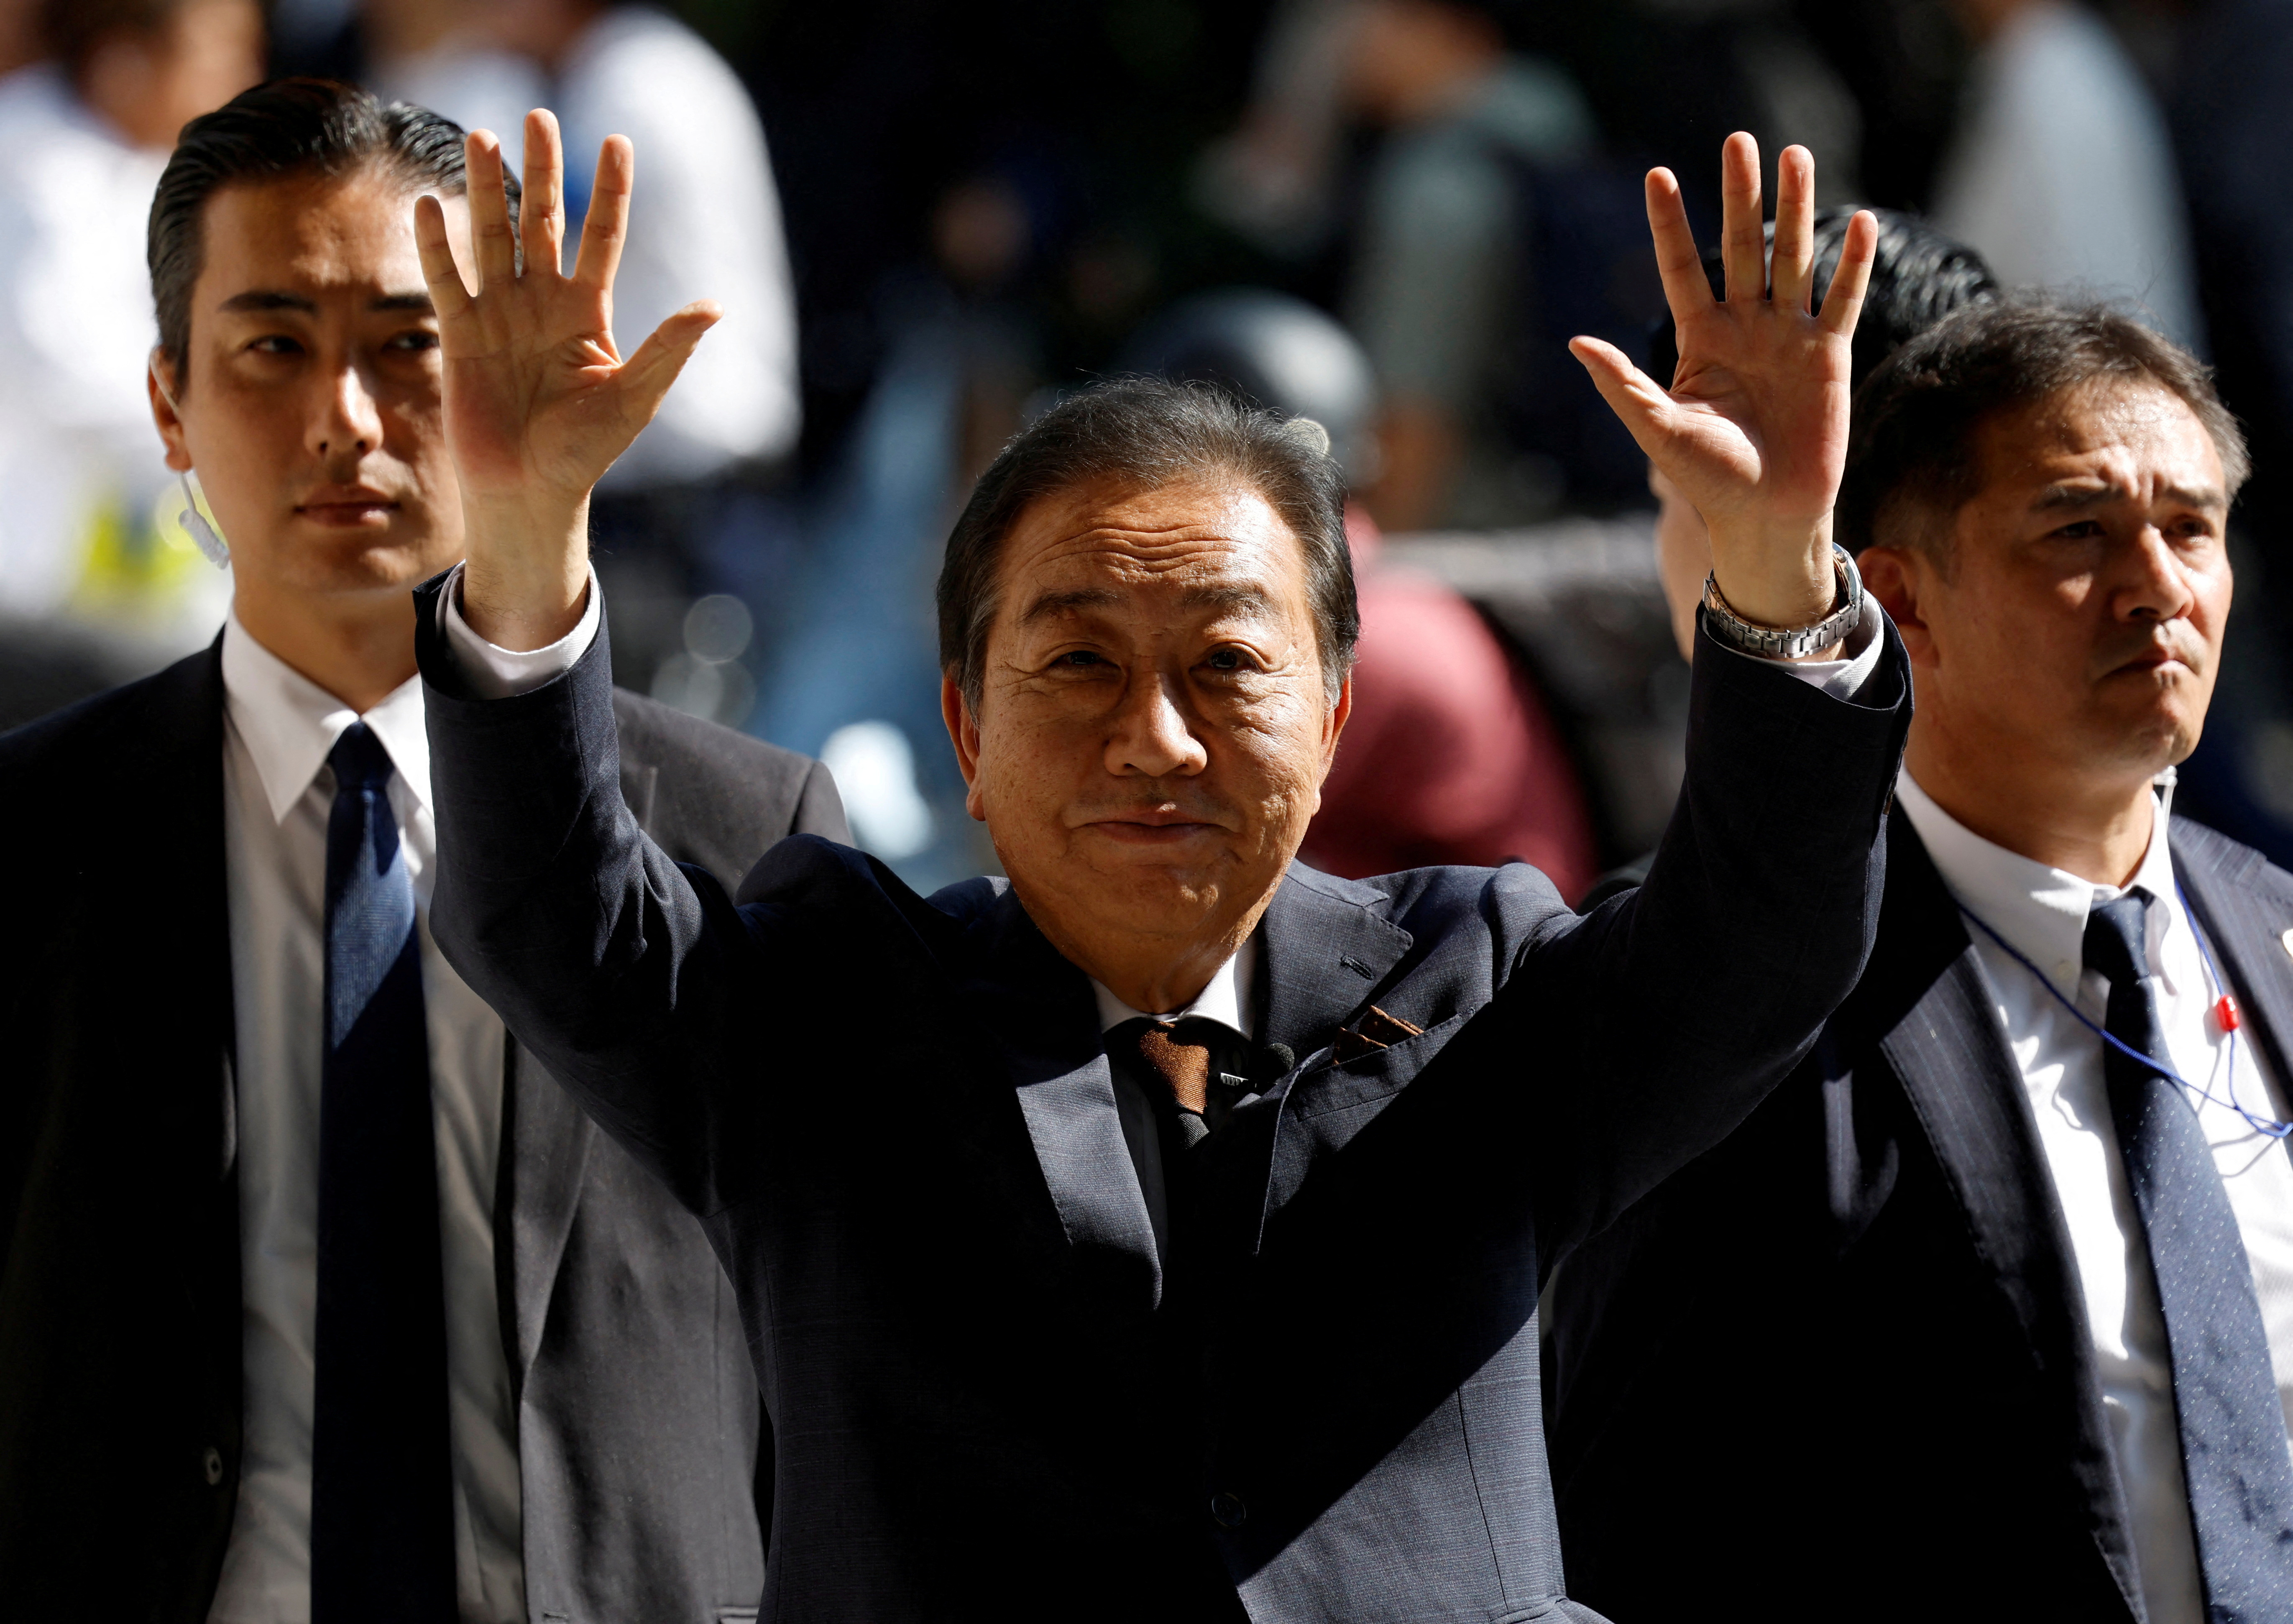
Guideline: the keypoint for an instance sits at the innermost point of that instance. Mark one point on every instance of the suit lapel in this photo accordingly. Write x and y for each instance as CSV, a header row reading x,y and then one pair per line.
x,y
1950,1052
1044,1022
1328,948
2245,914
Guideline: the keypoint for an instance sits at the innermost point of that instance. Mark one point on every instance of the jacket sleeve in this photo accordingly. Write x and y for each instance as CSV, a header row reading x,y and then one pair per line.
x,y
615,965
1673,1009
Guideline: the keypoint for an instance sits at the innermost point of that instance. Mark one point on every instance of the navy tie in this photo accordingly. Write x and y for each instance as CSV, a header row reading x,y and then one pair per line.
x,y
2234,1447
382,1524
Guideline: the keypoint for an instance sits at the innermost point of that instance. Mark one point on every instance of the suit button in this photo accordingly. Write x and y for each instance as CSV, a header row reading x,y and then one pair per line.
x,y
1227,1511
212,1462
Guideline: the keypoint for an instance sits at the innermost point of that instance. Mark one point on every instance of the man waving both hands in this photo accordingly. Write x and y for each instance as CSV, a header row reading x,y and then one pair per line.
x,y
1156,1233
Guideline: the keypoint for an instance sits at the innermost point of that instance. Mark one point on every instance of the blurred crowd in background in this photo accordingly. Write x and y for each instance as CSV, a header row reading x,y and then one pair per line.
x,y
925,220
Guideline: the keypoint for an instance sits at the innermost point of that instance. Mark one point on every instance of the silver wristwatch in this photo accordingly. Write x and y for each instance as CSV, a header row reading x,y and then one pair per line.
x,y
1737,632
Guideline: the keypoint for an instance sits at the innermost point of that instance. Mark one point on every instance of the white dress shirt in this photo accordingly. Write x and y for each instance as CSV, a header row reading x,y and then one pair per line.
x,y
2043,912
278,793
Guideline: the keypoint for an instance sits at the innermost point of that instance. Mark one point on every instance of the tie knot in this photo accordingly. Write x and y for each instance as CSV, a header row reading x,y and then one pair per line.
x,y
1178,1054
359,759
2118,939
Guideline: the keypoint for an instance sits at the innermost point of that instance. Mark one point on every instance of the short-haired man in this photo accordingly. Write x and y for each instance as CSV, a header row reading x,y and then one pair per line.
x,y
1157,1235
1978,1315
317,1301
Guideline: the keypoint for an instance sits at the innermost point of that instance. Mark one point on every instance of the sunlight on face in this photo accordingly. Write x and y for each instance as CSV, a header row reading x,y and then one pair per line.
x,y
312,403
1153,725
2080,620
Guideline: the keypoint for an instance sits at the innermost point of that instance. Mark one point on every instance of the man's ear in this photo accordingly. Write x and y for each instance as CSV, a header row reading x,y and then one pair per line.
x,y
1897,576
963,732
159,385
1336,724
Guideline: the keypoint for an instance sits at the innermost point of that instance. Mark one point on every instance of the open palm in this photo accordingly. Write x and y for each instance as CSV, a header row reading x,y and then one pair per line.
x,y
1753,428
539,401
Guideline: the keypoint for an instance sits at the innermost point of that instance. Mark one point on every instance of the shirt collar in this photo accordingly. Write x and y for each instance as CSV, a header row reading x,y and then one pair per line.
x,y
288,723
1226,1000
2039,911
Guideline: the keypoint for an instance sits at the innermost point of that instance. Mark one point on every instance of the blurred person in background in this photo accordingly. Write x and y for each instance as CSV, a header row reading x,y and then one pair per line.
x,y
2231,85
1918,276
1990,1307
709,222
1451,755
87,131
2062,174
320,1299
1436,288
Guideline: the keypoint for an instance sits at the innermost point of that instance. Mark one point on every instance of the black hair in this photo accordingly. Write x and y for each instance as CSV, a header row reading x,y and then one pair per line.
x,y
1911,454
1147,433
1919,276
288,126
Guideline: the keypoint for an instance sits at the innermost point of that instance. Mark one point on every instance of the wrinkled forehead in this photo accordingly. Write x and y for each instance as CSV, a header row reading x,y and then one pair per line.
x,y
2122,438
1114,549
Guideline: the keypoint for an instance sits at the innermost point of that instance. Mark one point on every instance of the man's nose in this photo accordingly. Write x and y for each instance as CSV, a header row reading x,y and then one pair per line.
x,y
347,420
1151,736
2156,584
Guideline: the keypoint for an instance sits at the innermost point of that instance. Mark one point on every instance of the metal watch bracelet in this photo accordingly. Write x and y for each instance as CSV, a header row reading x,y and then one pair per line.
x,y
1788,643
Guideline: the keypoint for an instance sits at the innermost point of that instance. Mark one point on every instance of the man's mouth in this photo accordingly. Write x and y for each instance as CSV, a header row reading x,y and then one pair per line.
x,y
1152,826
346,507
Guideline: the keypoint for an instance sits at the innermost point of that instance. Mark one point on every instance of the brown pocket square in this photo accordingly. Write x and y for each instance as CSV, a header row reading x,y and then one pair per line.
x,y
1376,1030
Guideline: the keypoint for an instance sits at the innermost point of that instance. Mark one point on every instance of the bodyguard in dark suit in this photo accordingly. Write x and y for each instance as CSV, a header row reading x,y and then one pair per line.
x,y
1156,1234
548,1412
1979,1314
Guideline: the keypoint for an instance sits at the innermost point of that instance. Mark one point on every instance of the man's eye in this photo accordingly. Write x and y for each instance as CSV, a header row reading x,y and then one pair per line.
x,y
276,343
413,343
1225,660
2081,530
1079,656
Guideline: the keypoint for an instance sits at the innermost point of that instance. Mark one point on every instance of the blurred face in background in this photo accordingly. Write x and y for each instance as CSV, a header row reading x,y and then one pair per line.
x,y
309,403
1152,725
149,83
2065,626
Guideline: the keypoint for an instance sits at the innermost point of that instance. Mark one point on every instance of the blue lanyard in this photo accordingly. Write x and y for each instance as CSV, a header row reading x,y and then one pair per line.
x,y
2268,1126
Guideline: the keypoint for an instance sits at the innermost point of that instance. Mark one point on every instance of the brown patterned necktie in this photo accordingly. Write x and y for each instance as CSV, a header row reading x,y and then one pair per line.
x,y
1183,1063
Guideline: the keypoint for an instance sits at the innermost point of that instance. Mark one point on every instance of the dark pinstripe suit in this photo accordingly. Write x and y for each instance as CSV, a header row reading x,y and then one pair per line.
x,y
897,1120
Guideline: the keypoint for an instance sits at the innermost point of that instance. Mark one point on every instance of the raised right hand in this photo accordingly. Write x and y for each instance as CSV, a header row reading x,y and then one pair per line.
x,y
539,401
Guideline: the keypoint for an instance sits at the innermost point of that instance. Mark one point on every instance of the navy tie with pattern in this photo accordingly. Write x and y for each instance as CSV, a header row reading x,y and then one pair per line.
x,y
2233,1445
382,1527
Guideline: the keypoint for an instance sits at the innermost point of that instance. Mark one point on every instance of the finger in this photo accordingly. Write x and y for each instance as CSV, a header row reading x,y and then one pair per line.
x,y
490,233
1678,261
448,296
1791,272
1640,404
645,381
1743,243
608,222
541,216
1843,301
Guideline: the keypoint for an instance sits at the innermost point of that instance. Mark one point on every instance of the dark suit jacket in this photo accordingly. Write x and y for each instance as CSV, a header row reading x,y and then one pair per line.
x,y
1841,1368
897,1120
119,1280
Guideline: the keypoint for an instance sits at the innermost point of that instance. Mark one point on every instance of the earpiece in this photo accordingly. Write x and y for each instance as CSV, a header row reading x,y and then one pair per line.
x,y
217,551
210,543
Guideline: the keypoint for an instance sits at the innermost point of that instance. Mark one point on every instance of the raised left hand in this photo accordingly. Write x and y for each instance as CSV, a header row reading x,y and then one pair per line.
x,y
1753,428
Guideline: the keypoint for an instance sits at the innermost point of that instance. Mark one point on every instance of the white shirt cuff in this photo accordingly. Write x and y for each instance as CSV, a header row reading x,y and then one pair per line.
x,y
1858,658
494,672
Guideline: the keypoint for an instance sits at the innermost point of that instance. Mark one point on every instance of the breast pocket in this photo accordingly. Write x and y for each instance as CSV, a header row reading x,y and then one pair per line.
x,y
1333,1100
